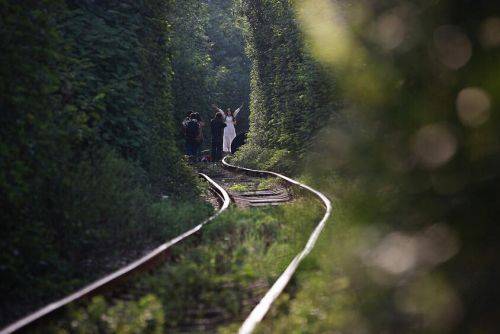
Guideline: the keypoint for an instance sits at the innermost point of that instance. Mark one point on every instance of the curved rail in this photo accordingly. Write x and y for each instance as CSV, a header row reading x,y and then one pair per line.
x,y
148,261
259,311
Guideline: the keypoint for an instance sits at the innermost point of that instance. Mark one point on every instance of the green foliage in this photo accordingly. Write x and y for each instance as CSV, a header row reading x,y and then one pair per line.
x,y
91,93
208,59
230,77
105,209
268,183
143,316
239,249
239,187
213,277
415,172
87,143
287,101
191,61
253,156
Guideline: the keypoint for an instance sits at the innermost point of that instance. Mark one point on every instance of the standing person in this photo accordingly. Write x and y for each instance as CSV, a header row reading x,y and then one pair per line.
x,y
229,130
184,122
192,132
199,139
217,126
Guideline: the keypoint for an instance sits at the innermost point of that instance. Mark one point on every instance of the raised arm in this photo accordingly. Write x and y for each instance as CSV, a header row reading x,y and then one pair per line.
x,y
237,110
217,108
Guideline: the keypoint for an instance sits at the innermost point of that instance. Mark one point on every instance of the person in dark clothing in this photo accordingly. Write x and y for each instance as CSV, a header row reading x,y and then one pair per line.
x,y
201,124
217,126
192,130
238,141
184,122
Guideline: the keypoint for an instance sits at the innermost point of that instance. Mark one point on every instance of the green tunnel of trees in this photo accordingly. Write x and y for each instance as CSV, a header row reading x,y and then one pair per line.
x,y
364,100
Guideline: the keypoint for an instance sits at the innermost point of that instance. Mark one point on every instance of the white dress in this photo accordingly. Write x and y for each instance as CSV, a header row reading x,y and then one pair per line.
x,y
229,134
229,130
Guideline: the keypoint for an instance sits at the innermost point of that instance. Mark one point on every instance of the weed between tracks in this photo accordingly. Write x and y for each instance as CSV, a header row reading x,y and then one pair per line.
x,y
239,187
268,183
211,281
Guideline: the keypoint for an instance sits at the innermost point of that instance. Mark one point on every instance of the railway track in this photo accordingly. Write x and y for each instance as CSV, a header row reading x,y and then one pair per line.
x,y
246,188
259,312
251,191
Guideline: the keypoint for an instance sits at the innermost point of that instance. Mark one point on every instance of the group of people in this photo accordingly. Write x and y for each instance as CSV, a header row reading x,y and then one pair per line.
x,y
222,128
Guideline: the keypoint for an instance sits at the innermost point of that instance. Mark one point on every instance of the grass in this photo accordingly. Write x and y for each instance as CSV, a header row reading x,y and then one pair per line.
x,y
268,183
350,283
106,214
218,273
239,187
324,298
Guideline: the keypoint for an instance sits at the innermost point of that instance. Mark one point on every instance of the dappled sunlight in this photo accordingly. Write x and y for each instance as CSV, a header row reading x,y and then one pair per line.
x,y
330,40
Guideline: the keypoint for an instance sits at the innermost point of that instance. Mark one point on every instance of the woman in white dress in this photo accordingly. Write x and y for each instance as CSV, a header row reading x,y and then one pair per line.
x,y
229,130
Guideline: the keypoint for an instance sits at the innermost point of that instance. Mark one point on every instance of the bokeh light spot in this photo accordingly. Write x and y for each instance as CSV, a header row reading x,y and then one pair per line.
x,y
473,106
395,254
436,244
490,32
453,47
391,31
399,253
433,300
434,145
325,28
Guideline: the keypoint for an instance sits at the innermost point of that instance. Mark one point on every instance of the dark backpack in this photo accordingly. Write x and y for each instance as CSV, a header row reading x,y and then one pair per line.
x,y
192,129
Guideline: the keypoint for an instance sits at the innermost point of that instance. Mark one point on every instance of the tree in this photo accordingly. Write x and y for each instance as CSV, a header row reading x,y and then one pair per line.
x,y
287,107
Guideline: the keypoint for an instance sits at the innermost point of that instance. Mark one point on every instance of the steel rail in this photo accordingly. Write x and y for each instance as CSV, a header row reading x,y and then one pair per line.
x,y
260,310
148,261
